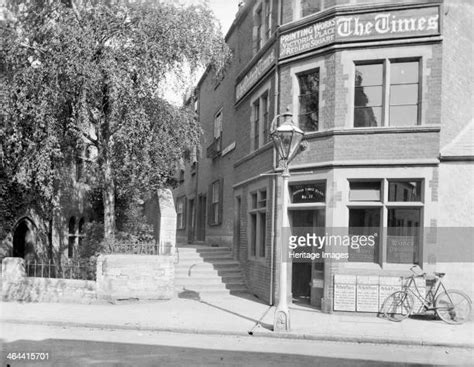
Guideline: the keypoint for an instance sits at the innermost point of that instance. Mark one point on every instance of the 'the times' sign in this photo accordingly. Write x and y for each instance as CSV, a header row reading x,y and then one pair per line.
x,y
361,27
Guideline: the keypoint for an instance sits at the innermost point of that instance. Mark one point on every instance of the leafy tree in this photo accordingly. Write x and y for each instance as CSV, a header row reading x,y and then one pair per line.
x,y
91,75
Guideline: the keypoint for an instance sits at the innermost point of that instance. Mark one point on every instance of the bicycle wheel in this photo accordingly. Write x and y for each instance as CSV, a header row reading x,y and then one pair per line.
x,y
453,306
398,306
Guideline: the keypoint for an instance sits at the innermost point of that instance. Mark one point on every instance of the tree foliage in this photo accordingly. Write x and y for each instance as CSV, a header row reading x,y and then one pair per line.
x,y
91,75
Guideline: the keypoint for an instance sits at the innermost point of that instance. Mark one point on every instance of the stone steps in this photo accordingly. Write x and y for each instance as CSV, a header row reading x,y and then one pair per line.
x,y
207,270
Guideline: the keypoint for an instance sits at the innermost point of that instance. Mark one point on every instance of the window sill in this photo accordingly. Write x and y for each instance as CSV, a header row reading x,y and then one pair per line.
x,y
254,153
373,130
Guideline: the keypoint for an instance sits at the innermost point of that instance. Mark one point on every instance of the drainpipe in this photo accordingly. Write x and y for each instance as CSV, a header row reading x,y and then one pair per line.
x,y
274,157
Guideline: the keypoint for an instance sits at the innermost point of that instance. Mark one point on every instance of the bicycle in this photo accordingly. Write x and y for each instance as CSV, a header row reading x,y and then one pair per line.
x,y
452,306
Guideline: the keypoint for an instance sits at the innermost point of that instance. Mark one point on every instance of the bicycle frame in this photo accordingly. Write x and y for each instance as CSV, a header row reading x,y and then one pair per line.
x,y
428,300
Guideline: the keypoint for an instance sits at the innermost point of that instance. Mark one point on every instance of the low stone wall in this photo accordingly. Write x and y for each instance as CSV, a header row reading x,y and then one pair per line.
x,y
118,277
135,276
16,286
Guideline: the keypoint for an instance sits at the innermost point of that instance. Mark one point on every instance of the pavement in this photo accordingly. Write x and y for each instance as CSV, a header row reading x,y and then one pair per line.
x,y
239,315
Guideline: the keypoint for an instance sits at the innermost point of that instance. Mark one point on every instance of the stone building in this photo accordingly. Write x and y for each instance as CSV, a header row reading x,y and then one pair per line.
x,y
383,92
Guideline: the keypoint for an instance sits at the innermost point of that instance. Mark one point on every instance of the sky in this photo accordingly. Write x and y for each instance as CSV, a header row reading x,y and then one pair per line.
x,y
225,11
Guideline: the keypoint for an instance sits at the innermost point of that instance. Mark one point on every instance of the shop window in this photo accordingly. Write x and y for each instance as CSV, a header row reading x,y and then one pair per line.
x,y
180,213
260,120
403,207
403,235
71,237
404,223
404,191
379,104
308,100
215,204
365,191
257,223
364,222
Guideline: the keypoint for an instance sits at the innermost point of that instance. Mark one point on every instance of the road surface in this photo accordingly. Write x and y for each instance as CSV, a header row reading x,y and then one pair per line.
x,y
73,346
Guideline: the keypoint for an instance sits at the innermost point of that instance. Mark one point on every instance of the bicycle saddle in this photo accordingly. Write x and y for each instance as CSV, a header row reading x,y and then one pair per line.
x,y
440,274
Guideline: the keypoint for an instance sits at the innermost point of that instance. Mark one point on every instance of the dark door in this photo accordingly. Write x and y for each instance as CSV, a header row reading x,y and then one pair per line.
x,y
191,220
305,273
24,240
201,218
238,208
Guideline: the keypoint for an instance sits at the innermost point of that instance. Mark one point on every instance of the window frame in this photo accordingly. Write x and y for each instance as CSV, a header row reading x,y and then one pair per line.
x,y
257,223
386,104
298,74
262,23
260,119
298,9
385,205
180,214
215,208
72,237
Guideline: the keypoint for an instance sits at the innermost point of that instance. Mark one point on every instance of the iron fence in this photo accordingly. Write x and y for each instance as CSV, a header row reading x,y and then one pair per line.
x,y
80,270
136,248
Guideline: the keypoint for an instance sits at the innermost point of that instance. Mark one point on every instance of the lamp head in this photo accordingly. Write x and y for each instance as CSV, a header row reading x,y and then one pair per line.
x,y
286,137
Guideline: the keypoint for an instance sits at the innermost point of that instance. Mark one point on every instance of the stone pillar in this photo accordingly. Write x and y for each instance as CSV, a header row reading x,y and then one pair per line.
x,y
13,270
166,222
13,278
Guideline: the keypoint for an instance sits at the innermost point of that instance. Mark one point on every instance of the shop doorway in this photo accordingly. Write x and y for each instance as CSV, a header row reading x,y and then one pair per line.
x,y
307,281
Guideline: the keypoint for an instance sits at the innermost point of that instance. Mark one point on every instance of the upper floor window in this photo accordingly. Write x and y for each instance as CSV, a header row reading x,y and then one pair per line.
x,y
308,100
180,202
260,120
262,23
309,7
218,125
216,146
386,93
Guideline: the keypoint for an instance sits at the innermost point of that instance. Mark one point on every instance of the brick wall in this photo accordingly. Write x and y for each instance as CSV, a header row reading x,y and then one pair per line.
x,y
457,81
257,271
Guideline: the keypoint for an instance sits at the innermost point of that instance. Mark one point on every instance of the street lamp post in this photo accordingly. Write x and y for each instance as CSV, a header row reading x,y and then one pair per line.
x,y
287,139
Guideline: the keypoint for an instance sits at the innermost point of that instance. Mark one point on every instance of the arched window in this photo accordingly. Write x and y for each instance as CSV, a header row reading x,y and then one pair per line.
x,y
79,167
80,232
71,237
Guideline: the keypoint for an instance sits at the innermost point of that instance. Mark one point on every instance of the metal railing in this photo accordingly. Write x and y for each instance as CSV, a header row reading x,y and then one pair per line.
x,y
136,248
69,270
